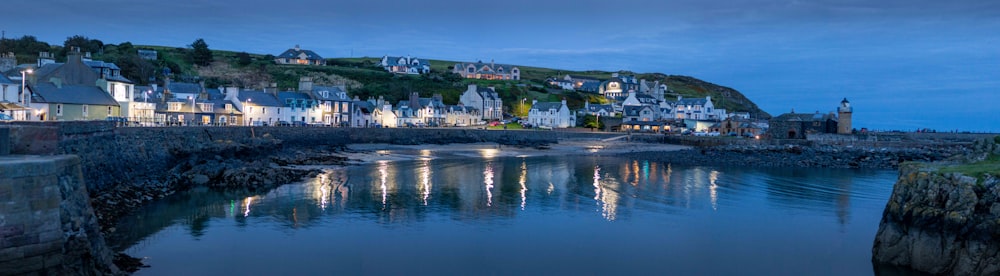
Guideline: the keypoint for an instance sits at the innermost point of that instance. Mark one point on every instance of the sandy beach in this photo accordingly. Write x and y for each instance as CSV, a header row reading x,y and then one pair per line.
x,y
368,153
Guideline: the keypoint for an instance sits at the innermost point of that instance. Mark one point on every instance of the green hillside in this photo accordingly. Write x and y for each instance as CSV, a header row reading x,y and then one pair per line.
x,y
364,78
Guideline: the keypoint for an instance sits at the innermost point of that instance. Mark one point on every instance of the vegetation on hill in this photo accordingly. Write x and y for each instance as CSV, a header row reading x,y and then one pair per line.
x,y
362,76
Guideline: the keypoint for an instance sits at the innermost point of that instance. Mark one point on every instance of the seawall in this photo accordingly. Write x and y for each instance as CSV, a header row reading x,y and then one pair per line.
x,y
47,225
943,222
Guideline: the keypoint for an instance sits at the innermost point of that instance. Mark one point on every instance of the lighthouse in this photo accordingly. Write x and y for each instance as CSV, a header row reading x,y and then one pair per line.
x,y
844,117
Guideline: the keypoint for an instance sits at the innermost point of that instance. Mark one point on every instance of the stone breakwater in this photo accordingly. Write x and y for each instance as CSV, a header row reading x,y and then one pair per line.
x,y
802,156
943,222
47,226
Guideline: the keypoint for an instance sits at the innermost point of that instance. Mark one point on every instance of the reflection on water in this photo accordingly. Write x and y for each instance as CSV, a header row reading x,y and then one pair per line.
x,y
453,215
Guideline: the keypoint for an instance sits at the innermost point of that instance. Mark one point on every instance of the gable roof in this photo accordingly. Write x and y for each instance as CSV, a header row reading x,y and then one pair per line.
x,y
547,106
260,98
487,93
598,107
803,117
394,61
692,101
184,88
47,92
633,110
334,93
295,52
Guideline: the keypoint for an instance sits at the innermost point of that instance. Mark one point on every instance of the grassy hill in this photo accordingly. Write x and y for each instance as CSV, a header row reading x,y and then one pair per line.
x,y
365,78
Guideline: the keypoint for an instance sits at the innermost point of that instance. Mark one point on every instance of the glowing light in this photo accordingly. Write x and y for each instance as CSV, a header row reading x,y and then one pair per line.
x,y
324,196
383,174
489,153
425,181
712,193
247,202
523,180
488,180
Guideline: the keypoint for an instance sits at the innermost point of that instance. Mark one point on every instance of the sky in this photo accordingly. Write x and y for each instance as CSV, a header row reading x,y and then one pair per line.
x,y
903,64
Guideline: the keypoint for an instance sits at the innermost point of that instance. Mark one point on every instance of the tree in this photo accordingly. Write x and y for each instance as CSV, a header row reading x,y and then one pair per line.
x,y
200,54
590,121
243,59
84,43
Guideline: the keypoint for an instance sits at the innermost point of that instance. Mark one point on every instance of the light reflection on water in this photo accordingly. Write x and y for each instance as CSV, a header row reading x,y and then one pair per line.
x,y
553,214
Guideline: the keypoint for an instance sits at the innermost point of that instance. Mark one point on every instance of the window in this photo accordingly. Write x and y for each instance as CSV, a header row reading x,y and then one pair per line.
x,y
174,106
128,92
279,110
109,111
229,107
59,110
471,70
113,91
86,110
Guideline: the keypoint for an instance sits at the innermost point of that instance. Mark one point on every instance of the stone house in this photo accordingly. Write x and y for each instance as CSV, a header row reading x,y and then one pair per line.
x,y
736,127
299,56
405,65
551,114
487,71
797,125
486,100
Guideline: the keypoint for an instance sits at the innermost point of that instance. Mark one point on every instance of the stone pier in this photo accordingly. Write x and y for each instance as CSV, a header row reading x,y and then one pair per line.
x,y
47,226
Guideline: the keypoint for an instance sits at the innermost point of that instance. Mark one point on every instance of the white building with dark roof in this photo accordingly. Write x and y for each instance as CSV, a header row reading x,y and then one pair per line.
x,y
487,71
551,114
299,56
486,100
405,65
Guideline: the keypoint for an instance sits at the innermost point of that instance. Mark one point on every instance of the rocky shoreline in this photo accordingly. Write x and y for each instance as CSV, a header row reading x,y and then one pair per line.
x,y
802,156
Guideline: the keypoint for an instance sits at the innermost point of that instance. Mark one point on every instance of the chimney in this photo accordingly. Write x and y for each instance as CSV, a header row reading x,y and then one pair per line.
x,y
437,97
564,101
305,84
586,105
679,98
533,102
166,90
473,88
414,100
297,48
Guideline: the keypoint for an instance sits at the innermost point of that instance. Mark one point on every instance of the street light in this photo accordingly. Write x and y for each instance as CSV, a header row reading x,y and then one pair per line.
x,y
522,103
25,97
191,121
246,115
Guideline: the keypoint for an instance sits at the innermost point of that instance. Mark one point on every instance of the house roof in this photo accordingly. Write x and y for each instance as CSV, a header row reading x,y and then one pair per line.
x,y
334,93
633,110
599,107
547,105
590,86
364,106
394,61
184,87
489,68
4,79
47,92
295,52
692,101
487,93
260,98
804,117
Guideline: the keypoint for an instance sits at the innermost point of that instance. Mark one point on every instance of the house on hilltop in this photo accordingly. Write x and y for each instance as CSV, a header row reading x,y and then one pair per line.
x,y
298,56
487,71
405,65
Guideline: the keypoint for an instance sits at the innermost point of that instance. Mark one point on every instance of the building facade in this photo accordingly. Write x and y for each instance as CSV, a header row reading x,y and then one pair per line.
x,y
486,100
299,56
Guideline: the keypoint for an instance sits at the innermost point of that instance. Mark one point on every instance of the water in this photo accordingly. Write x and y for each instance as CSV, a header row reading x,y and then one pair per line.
x,y
523,215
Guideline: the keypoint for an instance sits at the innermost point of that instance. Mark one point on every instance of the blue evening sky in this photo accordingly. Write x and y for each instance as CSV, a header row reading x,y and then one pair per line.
x,y
902,64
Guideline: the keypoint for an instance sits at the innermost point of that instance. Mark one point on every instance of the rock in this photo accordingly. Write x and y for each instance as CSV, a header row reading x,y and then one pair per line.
x,y
199,179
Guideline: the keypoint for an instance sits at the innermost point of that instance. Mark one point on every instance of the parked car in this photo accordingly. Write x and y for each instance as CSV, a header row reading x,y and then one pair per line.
x,y
298,123
5,117
282,123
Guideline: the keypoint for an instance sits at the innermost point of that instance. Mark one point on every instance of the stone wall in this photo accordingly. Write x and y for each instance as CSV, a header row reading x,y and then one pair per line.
x,y
46,223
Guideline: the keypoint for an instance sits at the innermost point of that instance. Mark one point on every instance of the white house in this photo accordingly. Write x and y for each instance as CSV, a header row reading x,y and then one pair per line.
x,y
333,102
487,71
405,65
119,87
697,109
461,115
486,100
551,114
640,113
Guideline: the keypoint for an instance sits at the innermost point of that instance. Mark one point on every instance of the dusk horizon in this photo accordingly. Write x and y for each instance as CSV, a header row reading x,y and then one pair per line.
x,y
904,65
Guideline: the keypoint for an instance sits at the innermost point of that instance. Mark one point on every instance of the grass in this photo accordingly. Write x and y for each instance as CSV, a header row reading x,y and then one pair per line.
x,y
510,126
979,169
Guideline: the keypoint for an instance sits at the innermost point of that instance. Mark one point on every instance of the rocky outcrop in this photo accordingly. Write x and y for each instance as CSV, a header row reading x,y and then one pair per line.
x,y
942,222
800,156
